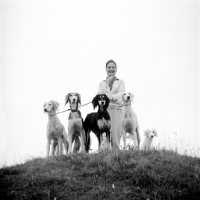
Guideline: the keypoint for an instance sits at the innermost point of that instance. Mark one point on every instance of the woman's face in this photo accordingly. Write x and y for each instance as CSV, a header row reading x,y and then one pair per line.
x,y
111,69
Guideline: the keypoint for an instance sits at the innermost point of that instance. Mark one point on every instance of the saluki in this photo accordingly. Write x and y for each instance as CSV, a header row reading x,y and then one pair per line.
x,y
75,122
129,121
98,122
149,135
55,129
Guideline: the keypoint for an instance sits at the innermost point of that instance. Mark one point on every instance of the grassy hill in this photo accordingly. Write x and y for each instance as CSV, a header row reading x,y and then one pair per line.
x,y
110,174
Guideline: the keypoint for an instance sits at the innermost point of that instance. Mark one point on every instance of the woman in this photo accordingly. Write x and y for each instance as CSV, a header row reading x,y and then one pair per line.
x,y
113,88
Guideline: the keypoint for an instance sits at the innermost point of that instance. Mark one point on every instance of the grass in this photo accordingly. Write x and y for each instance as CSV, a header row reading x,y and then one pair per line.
x,y
110,174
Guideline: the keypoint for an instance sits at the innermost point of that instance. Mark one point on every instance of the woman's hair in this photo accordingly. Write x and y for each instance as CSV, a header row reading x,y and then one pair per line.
x,y
111,61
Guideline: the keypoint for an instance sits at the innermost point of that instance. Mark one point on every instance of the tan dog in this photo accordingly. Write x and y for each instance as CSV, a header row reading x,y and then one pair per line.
x,y
129,121
149,135
55,130
75,122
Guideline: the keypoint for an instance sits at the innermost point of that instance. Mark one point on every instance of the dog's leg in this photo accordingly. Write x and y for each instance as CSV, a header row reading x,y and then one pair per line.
x,y
54,148
108,138
59,146
82,140
138,134
70,143
135,139
64,139
65,145
124,137
64,133
99,137
87,141
48,147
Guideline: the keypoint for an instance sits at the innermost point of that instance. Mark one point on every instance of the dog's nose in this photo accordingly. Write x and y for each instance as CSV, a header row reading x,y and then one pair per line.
x,y
45,110
128,97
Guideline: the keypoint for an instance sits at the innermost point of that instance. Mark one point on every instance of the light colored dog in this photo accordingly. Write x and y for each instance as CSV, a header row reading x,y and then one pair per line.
x,y
75,122
55,130
129,121
149,135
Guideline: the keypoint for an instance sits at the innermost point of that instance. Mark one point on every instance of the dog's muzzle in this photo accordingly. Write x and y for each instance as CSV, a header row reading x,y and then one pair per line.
x,y
102,103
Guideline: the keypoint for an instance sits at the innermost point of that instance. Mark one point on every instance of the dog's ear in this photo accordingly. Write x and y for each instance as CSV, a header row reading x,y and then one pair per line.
x,y
131,96
67,98
95,102
146,132
55,105
123,96
107,101
155,132
44,106
79,98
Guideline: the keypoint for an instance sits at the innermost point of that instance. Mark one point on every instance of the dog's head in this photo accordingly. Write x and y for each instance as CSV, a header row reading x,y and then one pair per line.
x,y
73,98
101,100
50,106
150,133
127,96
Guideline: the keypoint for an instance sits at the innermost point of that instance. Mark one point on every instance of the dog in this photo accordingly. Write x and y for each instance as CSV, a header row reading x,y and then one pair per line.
x,y
149,135
55,129
98,122
75,123
129,121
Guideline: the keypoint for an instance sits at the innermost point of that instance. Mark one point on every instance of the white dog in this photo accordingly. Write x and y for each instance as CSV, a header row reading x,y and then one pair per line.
x,y
149,135
129,121
55,130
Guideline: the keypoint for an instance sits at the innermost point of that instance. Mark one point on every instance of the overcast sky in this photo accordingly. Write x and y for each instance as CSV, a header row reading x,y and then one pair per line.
x,y
50,48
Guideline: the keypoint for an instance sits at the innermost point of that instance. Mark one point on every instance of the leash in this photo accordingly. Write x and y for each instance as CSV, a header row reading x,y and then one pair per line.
x,y
82,106
70,109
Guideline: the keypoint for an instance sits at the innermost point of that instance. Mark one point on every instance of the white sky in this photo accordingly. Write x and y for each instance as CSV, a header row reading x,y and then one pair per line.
x,y
50,48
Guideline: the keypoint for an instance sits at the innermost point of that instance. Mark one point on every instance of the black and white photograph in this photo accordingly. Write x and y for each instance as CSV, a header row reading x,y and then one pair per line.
x,y
100,99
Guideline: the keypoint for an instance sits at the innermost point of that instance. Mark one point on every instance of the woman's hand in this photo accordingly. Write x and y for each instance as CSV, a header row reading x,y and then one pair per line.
x,y
110,97
109,79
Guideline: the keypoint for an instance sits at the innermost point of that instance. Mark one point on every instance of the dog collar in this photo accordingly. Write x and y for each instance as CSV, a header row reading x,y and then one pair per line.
x,y
74,110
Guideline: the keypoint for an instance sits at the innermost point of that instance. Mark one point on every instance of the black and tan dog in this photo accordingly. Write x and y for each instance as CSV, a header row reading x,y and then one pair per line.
x,y
76,132
98,122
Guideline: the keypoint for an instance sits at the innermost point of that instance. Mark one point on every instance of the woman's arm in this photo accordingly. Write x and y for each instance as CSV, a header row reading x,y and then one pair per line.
x,y
118,96
100,89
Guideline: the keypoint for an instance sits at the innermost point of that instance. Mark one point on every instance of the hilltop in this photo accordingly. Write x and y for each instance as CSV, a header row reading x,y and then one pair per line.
x,y
110,174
